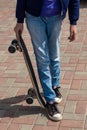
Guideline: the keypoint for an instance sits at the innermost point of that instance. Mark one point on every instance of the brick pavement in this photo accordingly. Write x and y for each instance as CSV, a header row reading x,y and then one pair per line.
x,y
15,114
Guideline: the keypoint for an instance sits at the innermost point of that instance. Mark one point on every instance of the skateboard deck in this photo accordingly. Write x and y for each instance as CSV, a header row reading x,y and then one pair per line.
x,y
20,46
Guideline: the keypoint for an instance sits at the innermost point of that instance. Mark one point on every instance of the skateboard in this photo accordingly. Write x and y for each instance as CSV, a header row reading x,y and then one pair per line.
x,y
34,91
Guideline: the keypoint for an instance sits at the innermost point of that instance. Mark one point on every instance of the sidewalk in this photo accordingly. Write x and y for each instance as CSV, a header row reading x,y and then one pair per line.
x,y
15,113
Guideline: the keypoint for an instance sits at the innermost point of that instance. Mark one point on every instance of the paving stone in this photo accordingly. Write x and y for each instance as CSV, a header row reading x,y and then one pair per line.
x,y
62,74
77,129
70,106
69,75
86,122
64,128
51,123
44,127
72,123
3,126
78,92
76,84
83,60
14,127
26,127
75,97
84,86
27,112
11,92
80,75
41,120
74,60
73,116
65,60
81,107
64,92
23,120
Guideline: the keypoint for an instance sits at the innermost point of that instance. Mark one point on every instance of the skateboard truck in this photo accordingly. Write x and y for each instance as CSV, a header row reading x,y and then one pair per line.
x,y
14,46
31,95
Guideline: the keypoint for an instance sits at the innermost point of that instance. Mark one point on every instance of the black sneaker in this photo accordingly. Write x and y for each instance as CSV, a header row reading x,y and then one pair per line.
x,y
58,97
53,112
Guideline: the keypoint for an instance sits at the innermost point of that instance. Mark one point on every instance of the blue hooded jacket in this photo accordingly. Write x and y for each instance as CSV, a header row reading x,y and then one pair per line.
x,y
34,8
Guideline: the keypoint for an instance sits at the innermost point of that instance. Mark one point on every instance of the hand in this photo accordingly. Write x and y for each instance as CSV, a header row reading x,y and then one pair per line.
x,y
18,28
73,32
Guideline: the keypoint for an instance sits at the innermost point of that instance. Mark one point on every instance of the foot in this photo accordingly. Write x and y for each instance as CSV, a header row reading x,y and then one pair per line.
x,y
58,97
53,112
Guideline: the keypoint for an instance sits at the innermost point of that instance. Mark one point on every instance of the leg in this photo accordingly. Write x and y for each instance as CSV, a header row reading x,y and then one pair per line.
x,y
54,31
37,29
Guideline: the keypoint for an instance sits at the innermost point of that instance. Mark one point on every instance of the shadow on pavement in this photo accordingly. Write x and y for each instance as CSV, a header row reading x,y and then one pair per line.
x,y
13,107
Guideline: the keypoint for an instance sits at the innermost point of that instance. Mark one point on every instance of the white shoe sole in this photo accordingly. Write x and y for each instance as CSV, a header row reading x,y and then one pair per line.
x,y
56,117
57,100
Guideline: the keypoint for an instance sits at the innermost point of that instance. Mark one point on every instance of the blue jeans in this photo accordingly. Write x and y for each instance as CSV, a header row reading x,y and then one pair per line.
x,y
45,36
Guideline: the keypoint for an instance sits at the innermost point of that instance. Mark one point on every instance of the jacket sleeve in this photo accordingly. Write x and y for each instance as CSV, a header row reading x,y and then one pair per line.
x,y
20,10
73,9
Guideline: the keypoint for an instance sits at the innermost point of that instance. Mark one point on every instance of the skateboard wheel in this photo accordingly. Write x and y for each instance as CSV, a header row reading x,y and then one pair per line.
x,y
11,49
14,42
31,92
30,97
16,45
29,100
13,46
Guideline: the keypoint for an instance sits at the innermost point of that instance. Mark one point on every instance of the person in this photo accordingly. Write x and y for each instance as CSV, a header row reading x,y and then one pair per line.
x,y
44,20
